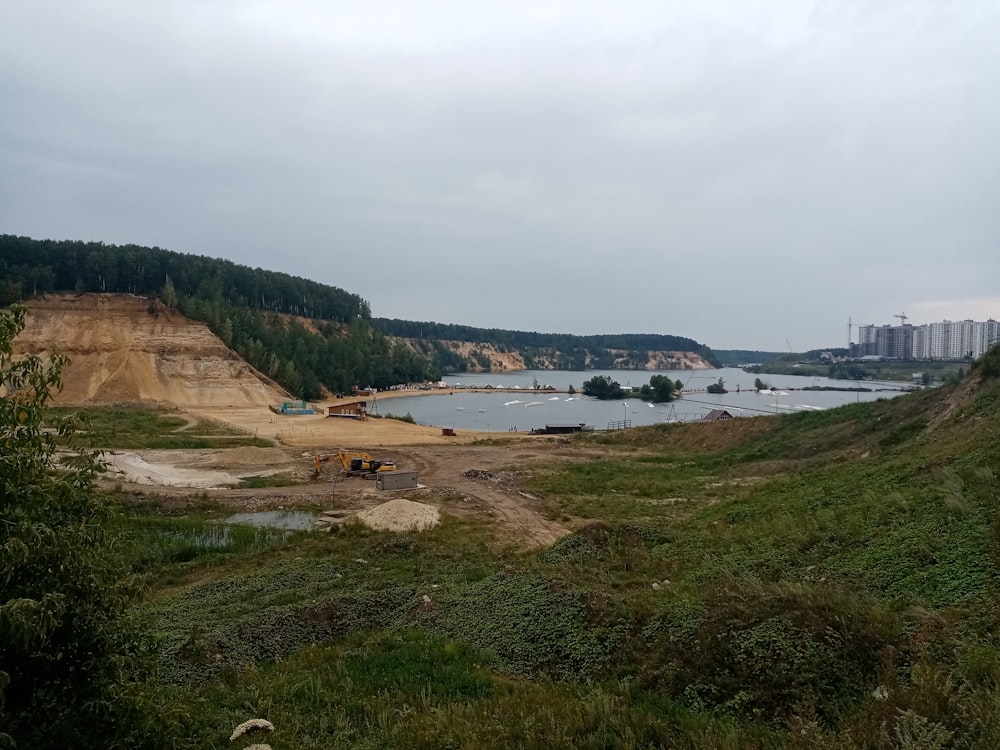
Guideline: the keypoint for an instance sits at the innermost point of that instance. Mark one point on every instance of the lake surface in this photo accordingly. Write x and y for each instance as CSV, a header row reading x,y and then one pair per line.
x,y
531,409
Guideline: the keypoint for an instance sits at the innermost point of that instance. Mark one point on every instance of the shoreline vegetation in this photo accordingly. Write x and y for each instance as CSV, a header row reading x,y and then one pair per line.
x,y
449,390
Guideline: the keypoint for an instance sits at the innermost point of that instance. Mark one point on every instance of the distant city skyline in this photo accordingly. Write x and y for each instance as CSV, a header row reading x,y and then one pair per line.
x,y
946,339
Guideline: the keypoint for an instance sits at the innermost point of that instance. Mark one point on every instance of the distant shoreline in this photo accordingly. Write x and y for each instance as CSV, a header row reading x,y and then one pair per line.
x,y
406,393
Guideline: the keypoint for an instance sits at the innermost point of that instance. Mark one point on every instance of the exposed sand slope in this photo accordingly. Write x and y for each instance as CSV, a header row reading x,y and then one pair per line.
x,y
120,351
133,468
546,359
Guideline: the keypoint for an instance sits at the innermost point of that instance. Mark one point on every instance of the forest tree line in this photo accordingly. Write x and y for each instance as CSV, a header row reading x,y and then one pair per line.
x,y
569,351
253,311
31,267
248,308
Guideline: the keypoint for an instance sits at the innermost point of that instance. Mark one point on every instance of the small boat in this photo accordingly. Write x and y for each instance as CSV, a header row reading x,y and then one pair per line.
x,y
482,411
534,403
511,403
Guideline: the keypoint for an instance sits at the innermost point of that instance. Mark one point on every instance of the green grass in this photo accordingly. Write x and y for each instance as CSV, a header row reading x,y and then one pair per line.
x,y
281,479
171,548
134,427
400,418
729,586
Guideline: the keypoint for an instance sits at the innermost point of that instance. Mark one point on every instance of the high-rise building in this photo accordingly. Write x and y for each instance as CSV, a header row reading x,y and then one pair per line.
x,y
921,342
945,340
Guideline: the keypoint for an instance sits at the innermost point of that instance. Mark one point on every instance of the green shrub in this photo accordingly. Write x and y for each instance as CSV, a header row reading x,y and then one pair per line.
x,y
755,650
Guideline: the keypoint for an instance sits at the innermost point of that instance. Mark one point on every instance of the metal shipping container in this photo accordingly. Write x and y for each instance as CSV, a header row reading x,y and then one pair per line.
x,y
396,480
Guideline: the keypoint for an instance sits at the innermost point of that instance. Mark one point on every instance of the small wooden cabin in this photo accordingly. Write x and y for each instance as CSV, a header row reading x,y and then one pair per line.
x,y
348,410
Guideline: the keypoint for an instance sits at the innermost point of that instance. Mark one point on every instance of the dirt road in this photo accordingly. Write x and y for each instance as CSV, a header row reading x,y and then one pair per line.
x,y
481,481
488,477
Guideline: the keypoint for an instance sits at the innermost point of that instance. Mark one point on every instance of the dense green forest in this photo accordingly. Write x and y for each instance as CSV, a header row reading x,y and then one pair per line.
x,y
740,357
569,352
31,267
253,311
243,306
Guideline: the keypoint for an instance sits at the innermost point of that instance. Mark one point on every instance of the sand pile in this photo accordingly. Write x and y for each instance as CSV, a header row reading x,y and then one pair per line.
x,y
400,515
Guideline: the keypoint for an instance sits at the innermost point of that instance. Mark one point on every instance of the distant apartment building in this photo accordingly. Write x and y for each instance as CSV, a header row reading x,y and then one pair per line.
x,y
921,342
945,340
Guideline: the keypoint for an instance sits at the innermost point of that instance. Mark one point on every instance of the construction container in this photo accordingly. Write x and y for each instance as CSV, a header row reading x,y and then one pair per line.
x,y
396,480
296,407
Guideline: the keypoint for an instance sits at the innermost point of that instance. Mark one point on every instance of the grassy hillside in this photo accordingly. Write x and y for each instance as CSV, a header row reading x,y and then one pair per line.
x,y
816,580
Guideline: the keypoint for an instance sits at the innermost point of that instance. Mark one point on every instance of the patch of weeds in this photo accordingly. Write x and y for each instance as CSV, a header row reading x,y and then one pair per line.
x,y
415,662
757,650
904,432
129,427
529,624
258,481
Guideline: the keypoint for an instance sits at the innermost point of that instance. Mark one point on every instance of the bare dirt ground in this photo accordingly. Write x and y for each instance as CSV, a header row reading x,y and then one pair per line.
x,y
324,433
126,349
462,480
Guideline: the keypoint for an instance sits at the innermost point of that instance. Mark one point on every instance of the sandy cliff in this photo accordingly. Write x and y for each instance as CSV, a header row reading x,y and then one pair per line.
x,y
503,361
123,350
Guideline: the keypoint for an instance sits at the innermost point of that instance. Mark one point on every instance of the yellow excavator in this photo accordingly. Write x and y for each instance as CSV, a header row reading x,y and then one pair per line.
x,y
355,463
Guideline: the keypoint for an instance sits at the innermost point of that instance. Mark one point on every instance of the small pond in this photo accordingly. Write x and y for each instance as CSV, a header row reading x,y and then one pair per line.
x,y
295,520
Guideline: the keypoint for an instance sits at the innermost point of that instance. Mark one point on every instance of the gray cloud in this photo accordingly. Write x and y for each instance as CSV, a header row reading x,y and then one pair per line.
x,y
742,175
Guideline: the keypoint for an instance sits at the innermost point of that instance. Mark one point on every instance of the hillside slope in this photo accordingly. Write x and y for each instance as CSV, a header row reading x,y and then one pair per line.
x,y
483,356
820,580
122,349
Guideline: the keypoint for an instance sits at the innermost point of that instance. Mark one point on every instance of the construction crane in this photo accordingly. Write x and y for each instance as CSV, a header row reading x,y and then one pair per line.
x,y
902,318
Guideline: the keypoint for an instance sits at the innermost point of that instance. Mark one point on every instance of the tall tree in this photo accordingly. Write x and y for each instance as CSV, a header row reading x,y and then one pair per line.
x,y
61,589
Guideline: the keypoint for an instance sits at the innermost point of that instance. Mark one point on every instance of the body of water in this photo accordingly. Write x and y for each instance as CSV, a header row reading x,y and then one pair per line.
x,y
529,409
274,519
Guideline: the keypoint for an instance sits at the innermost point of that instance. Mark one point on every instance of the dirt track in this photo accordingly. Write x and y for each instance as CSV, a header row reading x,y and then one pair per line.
x,y
480,481
125,349
517,512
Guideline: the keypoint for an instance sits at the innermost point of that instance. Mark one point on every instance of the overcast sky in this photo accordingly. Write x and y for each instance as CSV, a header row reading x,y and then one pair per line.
x,y
749,174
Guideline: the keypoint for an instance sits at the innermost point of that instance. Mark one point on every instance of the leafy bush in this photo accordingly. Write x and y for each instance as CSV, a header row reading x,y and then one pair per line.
x,y
758,651
603,387
408,418
719,387
989,364
530,625
62,589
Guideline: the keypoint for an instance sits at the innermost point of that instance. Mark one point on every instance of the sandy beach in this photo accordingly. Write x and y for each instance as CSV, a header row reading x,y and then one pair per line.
x,y
322,432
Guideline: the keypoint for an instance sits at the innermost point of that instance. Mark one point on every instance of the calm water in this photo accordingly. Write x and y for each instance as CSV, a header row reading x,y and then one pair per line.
x,y
502,411
274,519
